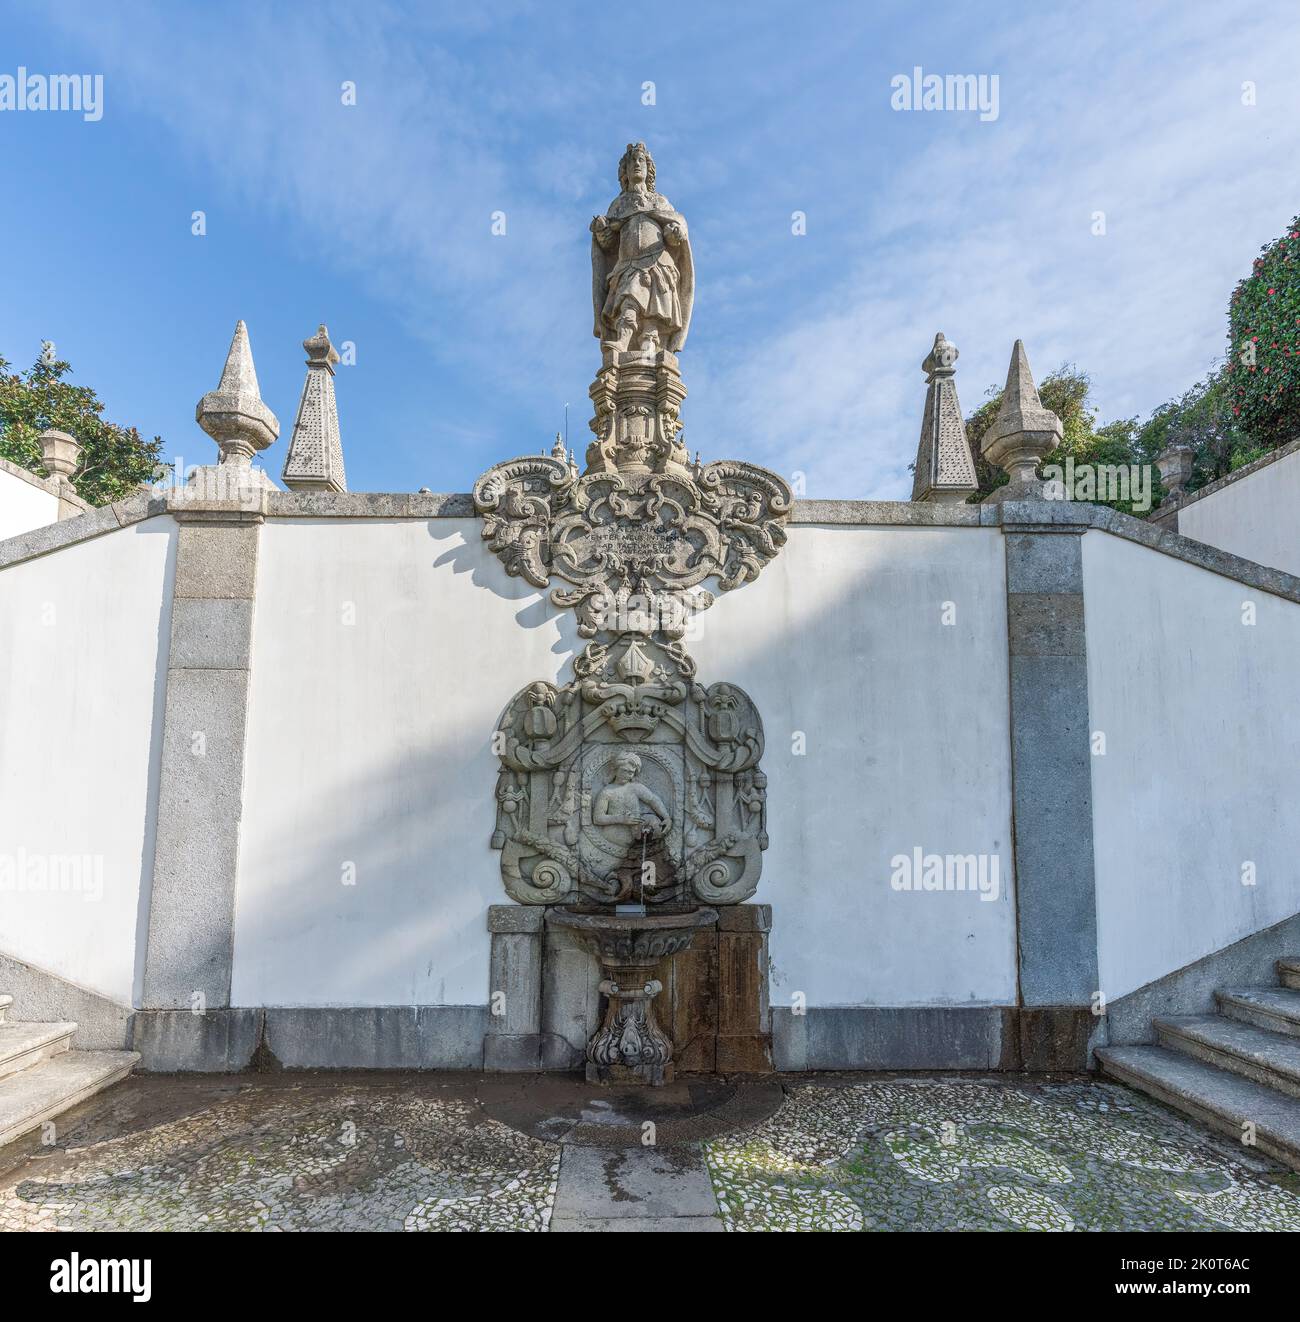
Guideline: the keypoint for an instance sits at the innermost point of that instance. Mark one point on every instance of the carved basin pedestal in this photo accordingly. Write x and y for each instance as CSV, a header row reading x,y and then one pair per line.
x,y
630,1046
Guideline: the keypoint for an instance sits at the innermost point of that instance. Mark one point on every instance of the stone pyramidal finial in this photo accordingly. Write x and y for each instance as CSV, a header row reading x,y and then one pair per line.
x,y
1023,433
945,470
315,458
233,414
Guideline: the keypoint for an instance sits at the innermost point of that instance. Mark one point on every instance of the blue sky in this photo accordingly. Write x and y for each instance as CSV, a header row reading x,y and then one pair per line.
x,y
804,350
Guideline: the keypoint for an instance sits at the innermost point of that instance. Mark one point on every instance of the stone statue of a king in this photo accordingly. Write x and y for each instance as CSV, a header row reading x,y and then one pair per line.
x,y
642,274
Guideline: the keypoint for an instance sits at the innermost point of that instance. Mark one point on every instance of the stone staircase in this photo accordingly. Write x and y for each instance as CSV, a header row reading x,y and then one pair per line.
x,y
1241,1064
41,1076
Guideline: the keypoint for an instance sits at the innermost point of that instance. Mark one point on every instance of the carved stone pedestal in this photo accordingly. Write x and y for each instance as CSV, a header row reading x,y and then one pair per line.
x,y
547,1002
638,396
630,1046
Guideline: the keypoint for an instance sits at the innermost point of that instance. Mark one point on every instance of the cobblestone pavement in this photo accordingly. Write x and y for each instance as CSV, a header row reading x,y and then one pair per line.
x,y
849,1153
306,1158
944,1154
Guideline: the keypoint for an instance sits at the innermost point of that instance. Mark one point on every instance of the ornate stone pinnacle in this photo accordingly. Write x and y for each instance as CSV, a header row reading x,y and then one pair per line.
x,y
233,414
941,360
315,458
320,352
945,470
1023,432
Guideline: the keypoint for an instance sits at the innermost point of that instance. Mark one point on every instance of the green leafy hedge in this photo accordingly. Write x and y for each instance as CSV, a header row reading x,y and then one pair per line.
x,y
114,459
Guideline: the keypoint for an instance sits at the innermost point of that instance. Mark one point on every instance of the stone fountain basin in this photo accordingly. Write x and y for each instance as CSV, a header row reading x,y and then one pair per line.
x,y
634,939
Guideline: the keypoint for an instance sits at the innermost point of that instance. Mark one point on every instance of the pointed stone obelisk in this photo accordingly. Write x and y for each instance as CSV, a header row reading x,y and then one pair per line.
x,y
233,414
315,458
945,470
1022,434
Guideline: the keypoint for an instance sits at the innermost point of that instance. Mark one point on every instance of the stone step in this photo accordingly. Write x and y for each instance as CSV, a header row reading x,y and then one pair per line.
x,y
1288,971
1274,1008
5,1002
50,1088
23,1045
1218,1099
1272,1059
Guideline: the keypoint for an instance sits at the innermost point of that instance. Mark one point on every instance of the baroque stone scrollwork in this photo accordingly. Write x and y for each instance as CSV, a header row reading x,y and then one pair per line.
x,y
633,547
633,782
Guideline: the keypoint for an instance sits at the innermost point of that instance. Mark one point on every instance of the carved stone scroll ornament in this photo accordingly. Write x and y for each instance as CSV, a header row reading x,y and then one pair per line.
x,y
633,769
633,546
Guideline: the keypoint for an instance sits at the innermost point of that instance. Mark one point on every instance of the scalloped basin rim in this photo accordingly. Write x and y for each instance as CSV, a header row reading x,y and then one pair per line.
x,y
631,923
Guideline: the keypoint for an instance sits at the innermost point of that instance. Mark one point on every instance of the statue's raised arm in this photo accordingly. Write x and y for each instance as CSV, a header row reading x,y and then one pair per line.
x,y
642,271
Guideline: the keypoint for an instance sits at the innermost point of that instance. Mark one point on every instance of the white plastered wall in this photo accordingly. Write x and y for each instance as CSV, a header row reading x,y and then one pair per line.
x,y
24,505
369,758
383,655
1258,516
904,719
83,657
1201,772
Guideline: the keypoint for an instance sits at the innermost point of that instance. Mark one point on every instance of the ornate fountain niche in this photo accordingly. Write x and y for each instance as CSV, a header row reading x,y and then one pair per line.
x,y
631,785
630,801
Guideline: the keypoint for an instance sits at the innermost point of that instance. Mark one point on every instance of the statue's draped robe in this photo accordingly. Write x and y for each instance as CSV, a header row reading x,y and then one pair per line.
x,y
642,266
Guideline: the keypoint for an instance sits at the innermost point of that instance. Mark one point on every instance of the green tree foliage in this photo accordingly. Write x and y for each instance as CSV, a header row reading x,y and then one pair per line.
x,y
114,459
1246,407
1263,369
1067,393
1203,418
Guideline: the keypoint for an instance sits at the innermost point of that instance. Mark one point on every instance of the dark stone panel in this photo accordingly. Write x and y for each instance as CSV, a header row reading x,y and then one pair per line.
x,y
888,1038
420,1037
176,1041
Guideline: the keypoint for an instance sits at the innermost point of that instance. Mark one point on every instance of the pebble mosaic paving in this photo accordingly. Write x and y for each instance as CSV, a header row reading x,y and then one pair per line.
x,y
888,1154
957,1155
308,1160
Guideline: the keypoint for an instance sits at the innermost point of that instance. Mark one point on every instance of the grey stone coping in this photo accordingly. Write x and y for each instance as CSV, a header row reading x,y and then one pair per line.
x,y
1048,515
94,523
1274,581
1035,515
369,505
46,484
887,512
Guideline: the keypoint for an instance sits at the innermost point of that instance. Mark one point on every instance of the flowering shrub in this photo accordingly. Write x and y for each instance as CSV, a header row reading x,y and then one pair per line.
x,y
1264,334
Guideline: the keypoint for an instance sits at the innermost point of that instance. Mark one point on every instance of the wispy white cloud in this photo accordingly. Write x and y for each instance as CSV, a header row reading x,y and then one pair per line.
x,y
986,233
805,358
